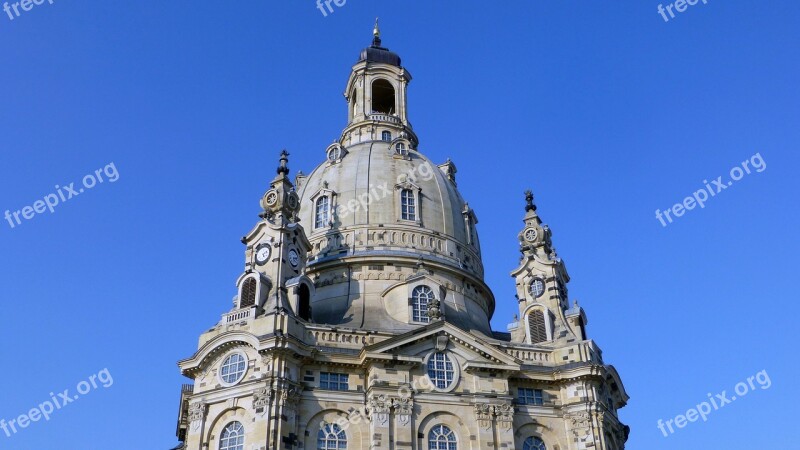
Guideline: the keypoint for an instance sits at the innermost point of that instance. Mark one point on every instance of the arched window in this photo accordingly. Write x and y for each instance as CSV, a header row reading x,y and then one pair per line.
x,y
420,297
537,327
233,368
400,149
322,212
440,370
304,300
386,136
232,437
249,289
442,438
383,97
408,205
331,437
533,443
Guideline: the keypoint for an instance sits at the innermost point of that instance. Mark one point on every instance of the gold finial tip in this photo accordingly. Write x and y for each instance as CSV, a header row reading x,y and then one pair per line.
x,y
376,31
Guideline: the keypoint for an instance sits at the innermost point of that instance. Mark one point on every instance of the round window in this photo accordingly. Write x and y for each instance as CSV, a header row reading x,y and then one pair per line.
x,y
233,368
537,287
441,371
335,154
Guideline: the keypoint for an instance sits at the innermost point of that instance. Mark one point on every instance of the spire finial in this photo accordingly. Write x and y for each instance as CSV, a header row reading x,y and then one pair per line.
x,y
529,201
376,35
284,168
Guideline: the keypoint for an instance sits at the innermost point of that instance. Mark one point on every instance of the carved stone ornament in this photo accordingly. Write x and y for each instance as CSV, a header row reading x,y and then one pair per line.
x,y
290,397
483,412
379,406
505,415
261,397
580,423
434,309
403,406
197,412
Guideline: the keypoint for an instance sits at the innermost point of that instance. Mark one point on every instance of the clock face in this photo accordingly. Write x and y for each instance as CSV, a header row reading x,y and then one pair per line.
x,y
292,201
530,234
537,287
294,258
262,254
272,198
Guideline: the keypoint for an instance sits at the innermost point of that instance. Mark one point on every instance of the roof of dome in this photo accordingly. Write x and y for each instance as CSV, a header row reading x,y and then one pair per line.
x,y
365,182
378,54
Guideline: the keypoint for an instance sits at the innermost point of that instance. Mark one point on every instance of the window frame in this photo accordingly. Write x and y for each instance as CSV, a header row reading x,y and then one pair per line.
x,y
335,381
240,434
327,217
442,437
419,312
225,363
408,205
530,396
331,432
448,367
534,443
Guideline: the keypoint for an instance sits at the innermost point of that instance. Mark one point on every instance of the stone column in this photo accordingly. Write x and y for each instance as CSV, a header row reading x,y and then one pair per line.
x,y
379,426
197,425
404,435
504,419
483,417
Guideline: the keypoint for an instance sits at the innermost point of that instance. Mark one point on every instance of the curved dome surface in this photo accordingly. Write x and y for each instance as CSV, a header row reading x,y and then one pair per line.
x,y
364,188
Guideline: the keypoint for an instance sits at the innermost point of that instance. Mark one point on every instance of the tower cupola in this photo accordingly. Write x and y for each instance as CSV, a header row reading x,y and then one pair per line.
x,y
376,97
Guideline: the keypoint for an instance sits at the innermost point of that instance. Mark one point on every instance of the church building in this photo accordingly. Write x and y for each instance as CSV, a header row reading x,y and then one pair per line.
x,y
362,320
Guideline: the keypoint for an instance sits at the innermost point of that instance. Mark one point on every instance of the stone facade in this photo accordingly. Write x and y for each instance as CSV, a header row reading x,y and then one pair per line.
x,y
362,318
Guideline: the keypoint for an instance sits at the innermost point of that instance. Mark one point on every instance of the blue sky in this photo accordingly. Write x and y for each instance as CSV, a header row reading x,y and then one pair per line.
x,y
604,109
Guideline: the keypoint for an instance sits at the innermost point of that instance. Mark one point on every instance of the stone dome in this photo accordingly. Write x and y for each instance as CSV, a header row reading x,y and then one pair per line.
x,y
385,222
365,184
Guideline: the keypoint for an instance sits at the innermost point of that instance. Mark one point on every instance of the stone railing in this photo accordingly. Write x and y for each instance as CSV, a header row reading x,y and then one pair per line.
x,y
527,355
344,338
240,315
384,118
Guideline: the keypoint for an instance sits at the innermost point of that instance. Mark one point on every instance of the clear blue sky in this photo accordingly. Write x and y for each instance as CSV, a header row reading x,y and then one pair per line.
x,y
604,109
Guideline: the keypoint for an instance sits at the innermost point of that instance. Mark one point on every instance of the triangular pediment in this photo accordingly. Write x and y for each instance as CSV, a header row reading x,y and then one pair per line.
x,y
481,354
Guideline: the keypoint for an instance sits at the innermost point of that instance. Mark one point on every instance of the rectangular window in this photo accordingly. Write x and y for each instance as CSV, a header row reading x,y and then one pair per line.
x,y
530,396
408,205
333,381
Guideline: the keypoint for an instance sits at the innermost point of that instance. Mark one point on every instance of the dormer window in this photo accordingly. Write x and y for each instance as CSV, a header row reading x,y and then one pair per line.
x,y
539,323
386,136
400,149
420,297
249,289
322,215
408,205
334,154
